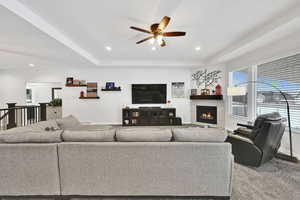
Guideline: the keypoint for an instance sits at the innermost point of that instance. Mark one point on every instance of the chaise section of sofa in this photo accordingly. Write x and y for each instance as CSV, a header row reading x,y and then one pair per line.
x,y
145,169
29,169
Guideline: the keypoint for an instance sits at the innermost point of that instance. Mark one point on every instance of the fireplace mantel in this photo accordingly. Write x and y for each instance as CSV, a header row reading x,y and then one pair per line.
x,y
206,97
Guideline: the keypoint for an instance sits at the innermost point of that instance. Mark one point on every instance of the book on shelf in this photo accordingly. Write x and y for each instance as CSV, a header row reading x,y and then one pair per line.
x,y
90,84
92,90
91,94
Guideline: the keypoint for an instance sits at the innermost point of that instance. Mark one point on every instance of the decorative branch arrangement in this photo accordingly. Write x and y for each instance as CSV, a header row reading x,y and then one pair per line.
x,y
208,79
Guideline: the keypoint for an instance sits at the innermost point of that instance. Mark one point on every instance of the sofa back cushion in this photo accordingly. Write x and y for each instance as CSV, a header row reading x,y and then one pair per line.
x,y
143,135
68,122
89,135
33,137
145,169
199,135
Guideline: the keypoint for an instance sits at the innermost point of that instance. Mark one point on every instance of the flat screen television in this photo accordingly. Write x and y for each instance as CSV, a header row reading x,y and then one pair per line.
x,y
149,93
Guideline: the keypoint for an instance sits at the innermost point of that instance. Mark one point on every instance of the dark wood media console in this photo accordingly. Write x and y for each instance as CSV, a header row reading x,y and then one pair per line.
x,y
150,116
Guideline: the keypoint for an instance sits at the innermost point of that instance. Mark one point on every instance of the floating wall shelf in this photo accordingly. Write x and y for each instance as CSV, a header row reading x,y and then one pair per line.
x,y
115,89
75,85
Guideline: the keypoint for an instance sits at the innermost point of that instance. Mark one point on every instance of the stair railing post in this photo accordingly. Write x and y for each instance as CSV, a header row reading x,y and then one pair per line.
x,y
11,115
43,111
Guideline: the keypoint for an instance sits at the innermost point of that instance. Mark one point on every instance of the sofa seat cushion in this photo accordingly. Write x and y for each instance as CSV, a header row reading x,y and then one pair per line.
x,y
89,135
144,135
32,137
68,122
199,135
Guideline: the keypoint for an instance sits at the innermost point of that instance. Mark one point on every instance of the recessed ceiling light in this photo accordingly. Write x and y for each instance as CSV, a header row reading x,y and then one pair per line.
x,y
153,48
197,48
108,48
31,65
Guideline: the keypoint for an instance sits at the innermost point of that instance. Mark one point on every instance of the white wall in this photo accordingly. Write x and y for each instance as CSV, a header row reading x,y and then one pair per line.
x,y
107,109
12,88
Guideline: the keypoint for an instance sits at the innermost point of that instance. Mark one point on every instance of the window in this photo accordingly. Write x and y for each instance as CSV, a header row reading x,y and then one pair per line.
x,y
285,75
28,96
239,104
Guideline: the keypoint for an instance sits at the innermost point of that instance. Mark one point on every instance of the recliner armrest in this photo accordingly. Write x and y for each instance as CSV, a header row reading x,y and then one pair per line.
x,y
245,125
244,132
244,150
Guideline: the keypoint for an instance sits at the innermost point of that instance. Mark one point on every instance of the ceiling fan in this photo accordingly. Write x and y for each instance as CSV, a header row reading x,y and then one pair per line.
x,y
157,32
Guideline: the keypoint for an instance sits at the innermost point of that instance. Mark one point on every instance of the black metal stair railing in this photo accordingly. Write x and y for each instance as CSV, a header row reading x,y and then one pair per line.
x,y
17,116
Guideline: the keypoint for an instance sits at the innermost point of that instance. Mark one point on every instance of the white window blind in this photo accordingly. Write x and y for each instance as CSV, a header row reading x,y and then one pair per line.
x,y
284,74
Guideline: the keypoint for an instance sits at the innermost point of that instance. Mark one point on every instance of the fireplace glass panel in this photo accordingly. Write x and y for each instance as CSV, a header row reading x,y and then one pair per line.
x,y
207,114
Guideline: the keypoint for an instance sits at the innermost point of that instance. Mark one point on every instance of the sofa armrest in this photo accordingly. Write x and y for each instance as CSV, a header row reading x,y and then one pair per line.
x,y
29,170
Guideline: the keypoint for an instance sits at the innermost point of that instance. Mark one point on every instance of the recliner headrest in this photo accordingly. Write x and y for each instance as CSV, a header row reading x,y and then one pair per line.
x,y
274,116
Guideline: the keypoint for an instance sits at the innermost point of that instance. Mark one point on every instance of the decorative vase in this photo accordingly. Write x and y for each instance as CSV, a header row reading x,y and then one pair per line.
x,y
82,94
218,90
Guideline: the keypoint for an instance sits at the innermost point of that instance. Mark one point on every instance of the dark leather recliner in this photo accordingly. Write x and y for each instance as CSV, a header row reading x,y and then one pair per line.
x,y
256,145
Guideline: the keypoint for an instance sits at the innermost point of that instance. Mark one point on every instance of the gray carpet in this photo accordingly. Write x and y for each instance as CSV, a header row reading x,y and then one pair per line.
x,y
276,180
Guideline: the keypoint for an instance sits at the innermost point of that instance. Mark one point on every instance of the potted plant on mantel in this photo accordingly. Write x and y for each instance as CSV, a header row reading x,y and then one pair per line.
x,y
54,109
206,79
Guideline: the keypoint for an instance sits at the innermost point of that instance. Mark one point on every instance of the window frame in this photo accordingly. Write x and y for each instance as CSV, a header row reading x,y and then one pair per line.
x,y
250,98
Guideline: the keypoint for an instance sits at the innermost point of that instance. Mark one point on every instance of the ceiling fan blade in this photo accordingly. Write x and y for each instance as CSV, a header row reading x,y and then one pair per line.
x,y
145,39
164,23
163,43
140,29
173,34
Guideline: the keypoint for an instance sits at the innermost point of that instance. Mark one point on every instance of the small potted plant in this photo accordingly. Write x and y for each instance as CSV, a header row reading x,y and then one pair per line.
x,y
56,103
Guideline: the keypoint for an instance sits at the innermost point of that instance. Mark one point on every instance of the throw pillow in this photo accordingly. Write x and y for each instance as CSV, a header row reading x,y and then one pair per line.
x,y
68,122
44,125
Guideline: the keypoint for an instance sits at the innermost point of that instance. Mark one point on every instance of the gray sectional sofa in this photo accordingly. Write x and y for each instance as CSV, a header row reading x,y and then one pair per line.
x,y
102,161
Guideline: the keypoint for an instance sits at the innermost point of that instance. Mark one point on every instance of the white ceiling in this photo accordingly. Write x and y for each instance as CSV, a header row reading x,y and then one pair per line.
x,y
68,32
21,44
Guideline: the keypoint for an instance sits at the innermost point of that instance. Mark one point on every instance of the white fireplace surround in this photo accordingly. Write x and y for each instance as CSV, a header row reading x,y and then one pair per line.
x,y
220,111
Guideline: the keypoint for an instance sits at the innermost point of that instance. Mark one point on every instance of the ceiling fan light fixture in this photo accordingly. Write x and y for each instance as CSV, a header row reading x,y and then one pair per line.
x,y
198,48
152,40
159,39
157,32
